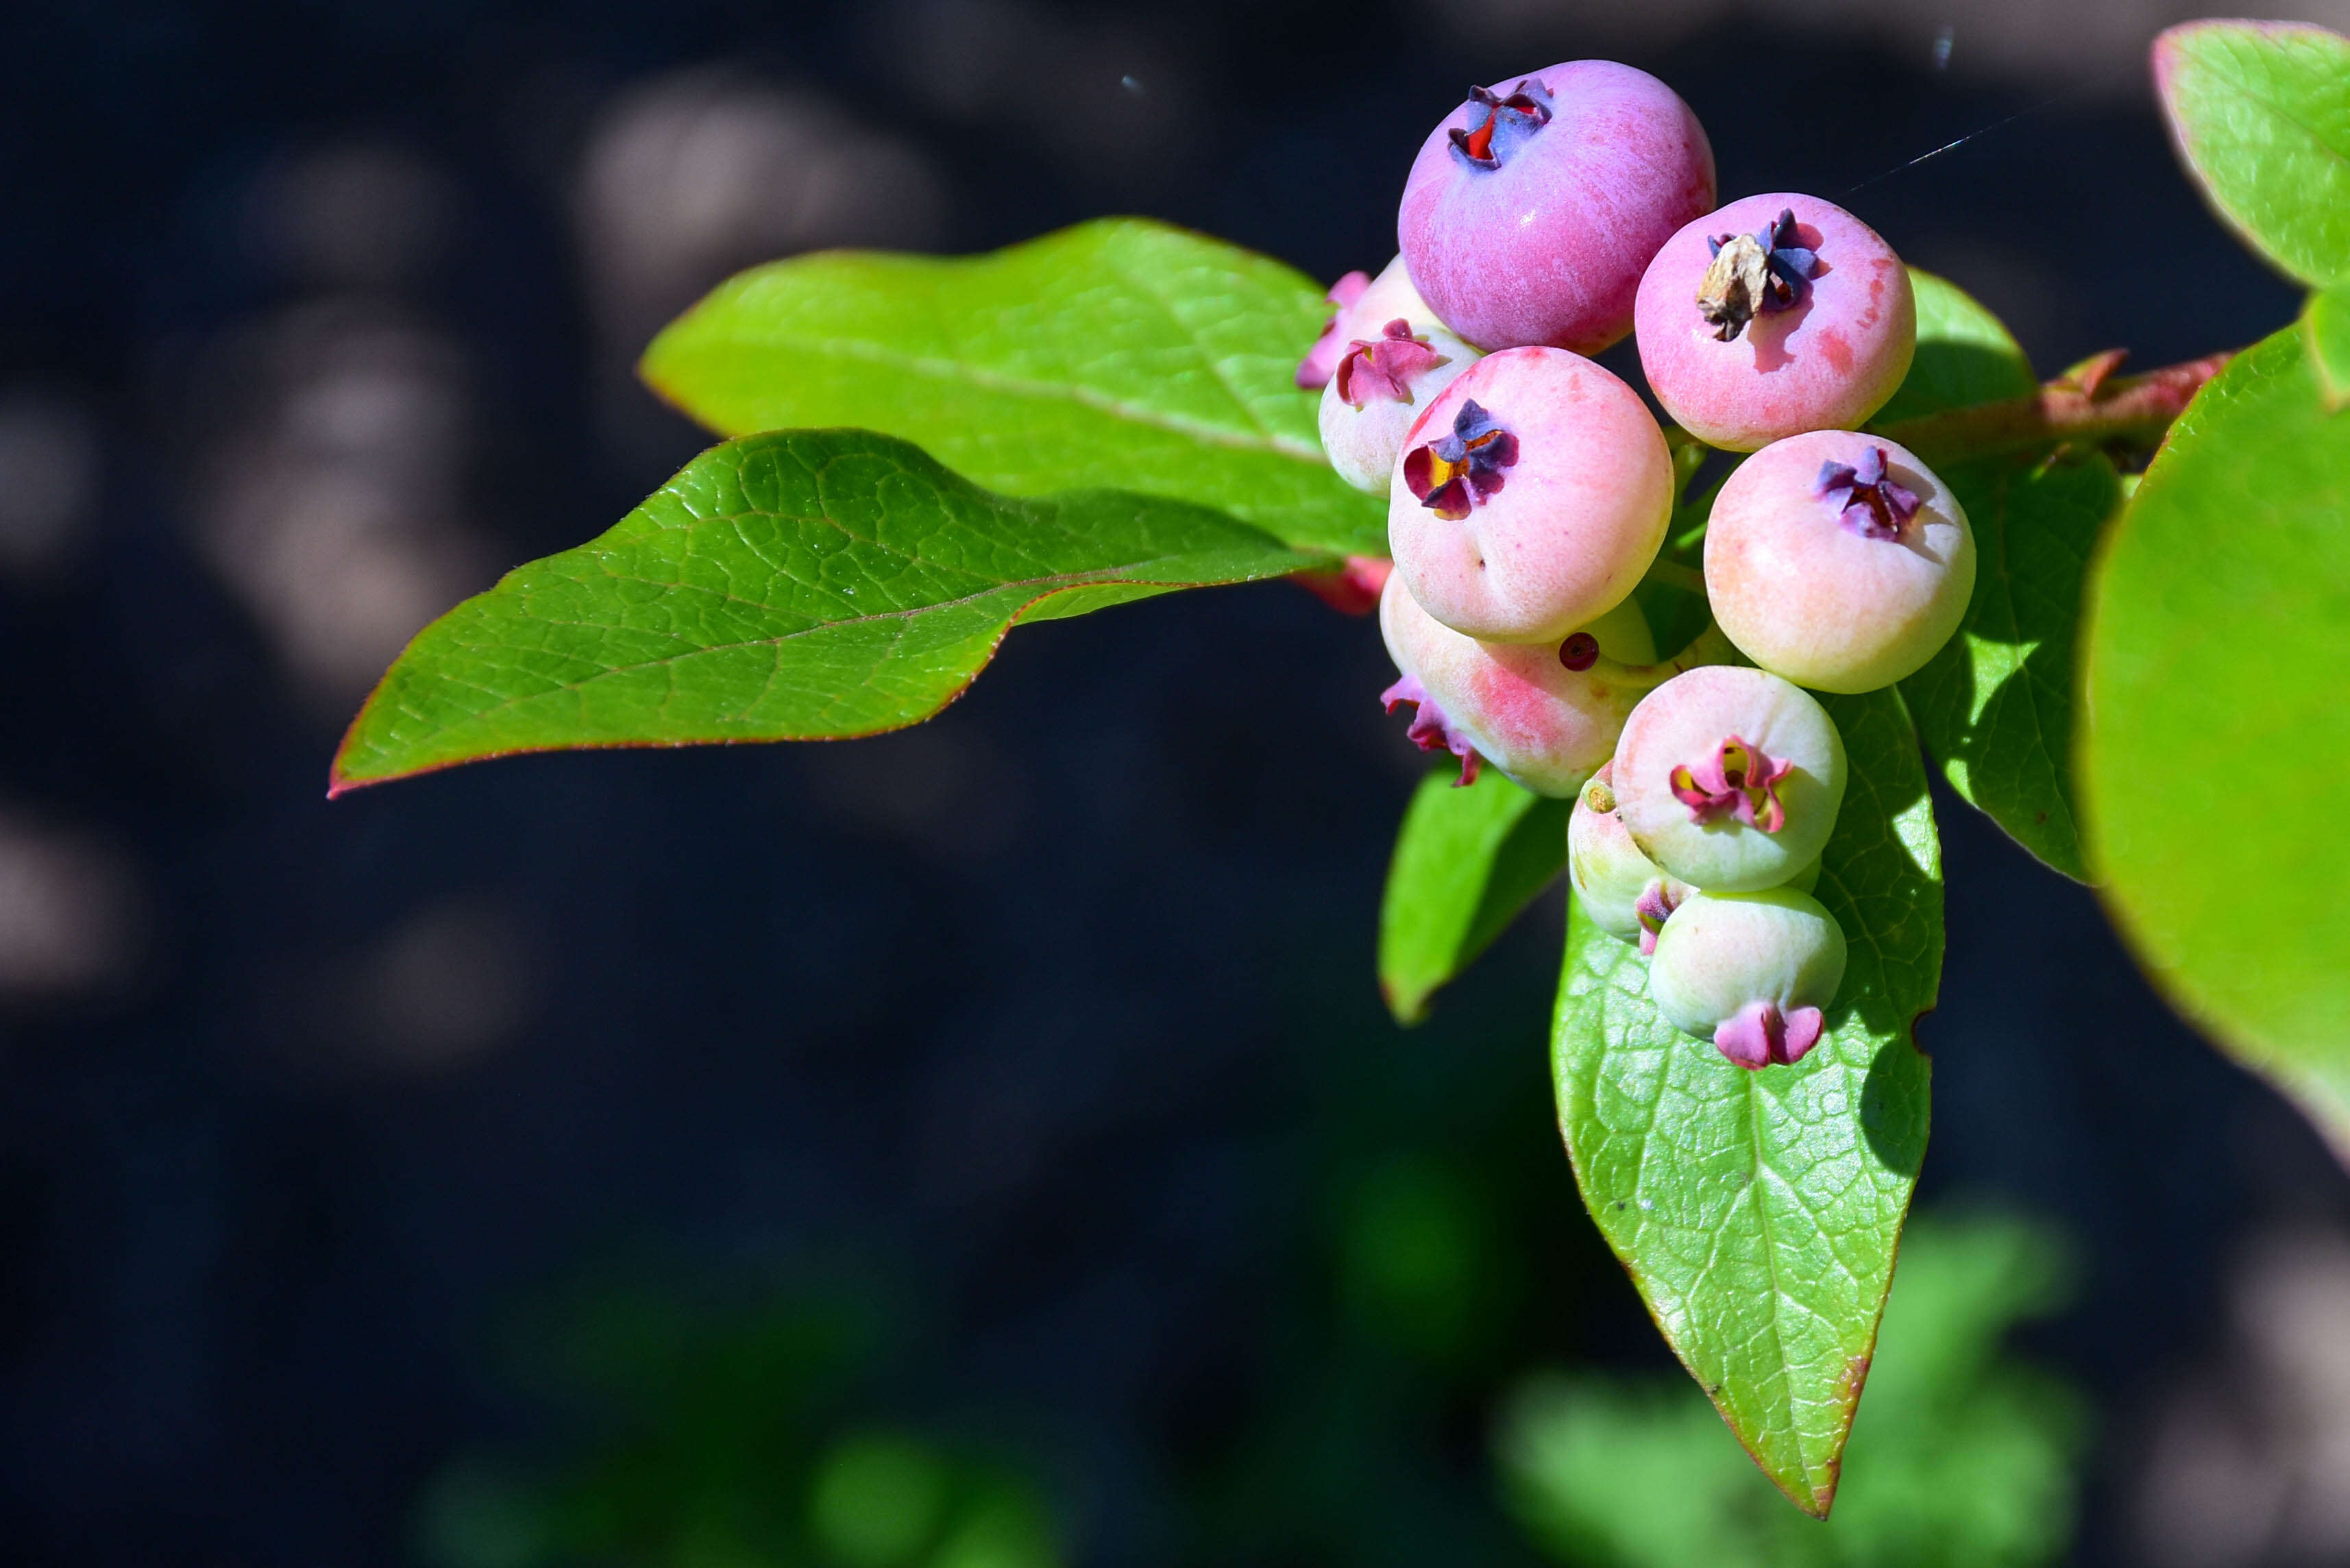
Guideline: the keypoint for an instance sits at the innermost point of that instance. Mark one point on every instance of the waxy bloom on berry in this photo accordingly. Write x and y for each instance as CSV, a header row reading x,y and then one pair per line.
x,y
1838,560
1533,208
1776,315
1729,778
1530,497
1754,972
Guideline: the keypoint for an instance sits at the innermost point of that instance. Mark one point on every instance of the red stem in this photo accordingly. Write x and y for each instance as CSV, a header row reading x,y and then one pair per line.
x,y
2086,406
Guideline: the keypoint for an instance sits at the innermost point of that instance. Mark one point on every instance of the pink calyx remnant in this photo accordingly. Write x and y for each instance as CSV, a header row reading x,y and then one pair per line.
x,y
1737,779
1384,368
1430,730
1321,361
1351,589
1758,1034
1652,909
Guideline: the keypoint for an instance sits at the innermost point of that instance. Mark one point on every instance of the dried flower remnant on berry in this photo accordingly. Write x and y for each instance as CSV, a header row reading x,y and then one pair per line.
x,y
1652,909
1737,780
1314,370
1752,275
1870,502
1385,368
1579,653
1456,472
1430,730
1501,125
1760,1036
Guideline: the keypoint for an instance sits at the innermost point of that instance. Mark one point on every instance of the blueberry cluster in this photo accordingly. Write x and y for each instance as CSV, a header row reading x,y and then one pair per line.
x,y
1529,491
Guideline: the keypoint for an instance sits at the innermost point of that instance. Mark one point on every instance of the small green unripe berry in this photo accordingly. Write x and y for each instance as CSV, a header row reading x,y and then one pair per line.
x,y
1729,778
1754,972
1624,892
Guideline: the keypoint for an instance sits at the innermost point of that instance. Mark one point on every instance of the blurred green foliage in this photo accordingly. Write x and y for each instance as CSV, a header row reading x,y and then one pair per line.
x,y
1962,1457
729,1438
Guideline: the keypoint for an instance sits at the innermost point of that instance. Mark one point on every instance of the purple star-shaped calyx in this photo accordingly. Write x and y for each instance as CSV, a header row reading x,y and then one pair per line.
x,y
1869,499
1759,1035
1456,472
1384,367
1497,124
1430,731
1733,780
1754,274
1652,909
1313,371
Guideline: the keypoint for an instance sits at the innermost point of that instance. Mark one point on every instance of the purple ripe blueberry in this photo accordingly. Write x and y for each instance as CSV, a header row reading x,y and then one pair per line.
x,y
1378,389
1838,561
1533,208
1776,315
1729,778
1361,304
1529,497
1515,705
1754,972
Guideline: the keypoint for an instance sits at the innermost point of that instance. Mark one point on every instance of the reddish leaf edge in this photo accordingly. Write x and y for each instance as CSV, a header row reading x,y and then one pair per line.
x,y
341,782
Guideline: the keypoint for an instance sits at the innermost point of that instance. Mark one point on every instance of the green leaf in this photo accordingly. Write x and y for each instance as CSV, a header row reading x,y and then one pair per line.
x,y
1758,1212
1965,355
1117,353
1996,705
1466,861
799,586
2325,335
2218,642
2260,111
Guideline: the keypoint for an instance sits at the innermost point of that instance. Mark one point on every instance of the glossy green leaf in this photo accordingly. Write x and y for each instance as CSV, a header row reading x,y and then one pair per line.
x,y
804,585
2260,111
1996,706
1965,355
1466,861
2325,335
1758,1212
1119,353
2218,640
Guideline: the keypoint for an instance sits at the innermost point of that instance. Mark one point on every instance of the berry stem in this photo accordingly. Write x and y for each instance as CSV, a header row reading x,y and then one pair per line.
x,y
2086,406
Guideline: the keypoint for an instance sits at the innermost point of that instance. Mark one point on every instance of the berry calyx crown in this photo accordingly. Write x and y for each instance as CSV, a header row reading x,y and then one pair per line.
x,y
1497,125
1462,469
1754,274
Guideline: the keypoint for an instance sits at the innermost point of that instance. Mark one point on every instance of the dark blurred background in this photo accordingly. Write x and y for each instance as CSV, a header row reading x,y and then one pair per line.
x,y
990,1134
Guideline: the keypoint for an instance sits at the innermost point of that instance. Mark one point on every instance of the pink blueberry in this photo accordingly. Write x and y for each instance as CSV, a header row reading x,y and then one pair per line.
x,y
1838,561
1530,497
1754,972
1361,304
1729,778
1378,389
1545,715
1533,208
1753,328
